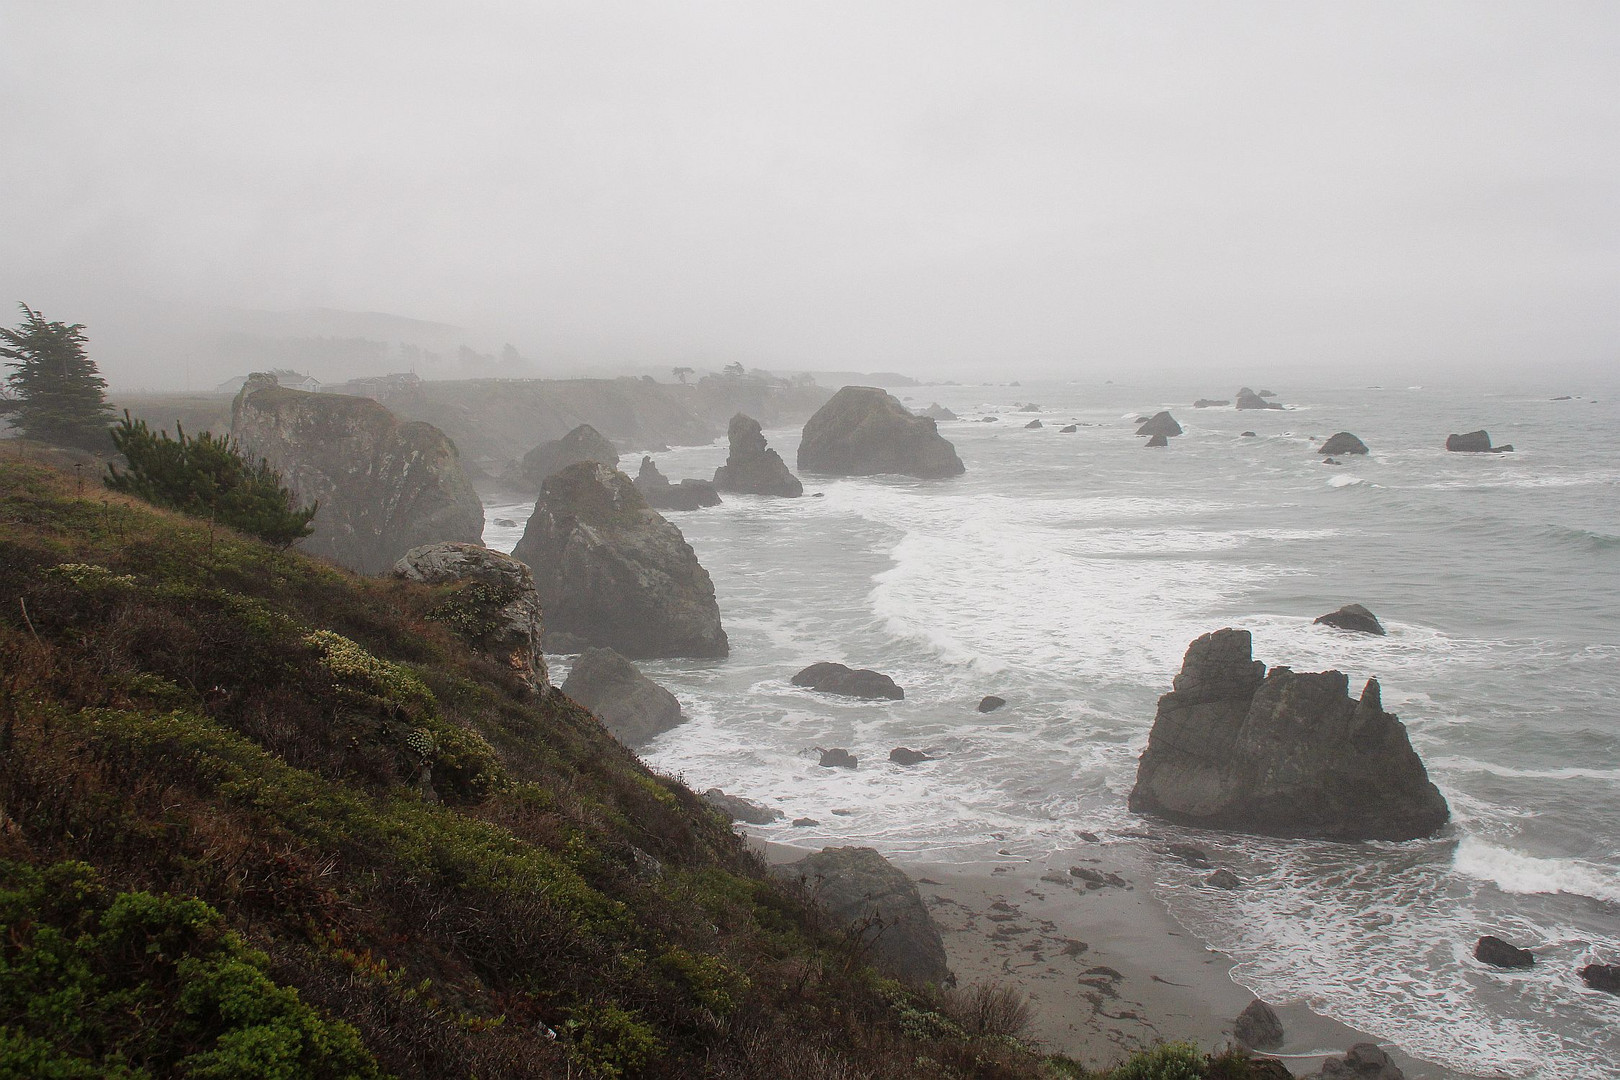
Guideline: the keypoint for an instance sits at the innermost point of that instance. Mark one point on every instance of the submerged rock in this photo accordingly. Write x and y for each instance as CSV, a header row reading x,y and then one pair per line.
x,y
1160,424
901,755
630,705
1068,429
584,443
1258,1026
1342,443
864,430
1282,753
1248,399
498,609
1498,953
1249,435
830,678
738,808
1353,617
990,703
752,468
662,495
1210,403
1475,442
612,572
1033,424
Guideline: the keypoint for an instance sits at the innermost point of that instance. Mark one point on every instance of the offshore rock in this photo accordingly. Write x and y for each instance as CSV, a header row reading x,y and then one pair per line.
x,y
662,495
837,758
904,755
738,808
1033,424
630,705
1248,399
1160,424
384,486
860,888
1157,440
584,443
752,468
1210,403
612,572
497,610
830,678
1605,977
990,703
1068,429
864,430
1476,442
936,411
1353,617
1282,753
1342,443
1498,953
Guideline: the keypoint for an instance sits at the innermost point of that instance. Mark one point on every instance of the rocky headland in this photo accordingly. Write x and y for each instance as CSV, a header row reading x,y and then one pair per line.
x,y
864,431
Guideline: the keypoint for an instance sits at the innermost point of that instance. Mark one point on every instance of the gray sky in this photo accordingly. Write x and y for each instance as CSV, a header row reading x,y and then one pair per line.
x,y
1074,189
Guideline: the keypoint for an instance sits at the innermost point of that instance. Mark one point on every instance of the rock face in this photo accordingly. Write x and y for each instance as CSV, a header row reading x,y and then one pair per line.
x,y
1353,617
1363,1061
584,443
663,495
1258,1026
611,571
859,887
1160,423
864,430
1498,953
1343,443
497,610
936,411
830,678
384,486
752,468
1281,754
1248,399
630,705
1476,442
738,808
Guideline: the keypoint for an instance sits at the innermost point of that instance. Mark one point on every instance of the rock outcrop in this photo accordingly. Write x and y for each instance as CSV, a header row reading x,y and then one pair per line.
x,y
752,468
862,889
1342,443
1160,423
936,411
738,808
1476,442
663,495
1282,753
1257,1026
384,486
1498,953
830,678
497,609
1605,977
1248,399
612,572
863,431
1353,617
583,443
630,705
1363,1061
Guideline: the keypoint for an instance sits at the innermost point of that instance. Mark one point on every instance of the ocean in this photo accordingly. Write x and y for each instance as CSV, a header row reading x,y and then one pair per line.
x,y
1068,573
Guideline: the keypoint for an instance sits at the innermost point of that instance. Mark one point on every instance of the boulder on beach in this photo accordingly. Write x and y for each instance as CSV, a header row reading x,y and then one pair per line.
x,y
1160,424
1363,1061
1498,953
837,758
583,443
936,411
1248,399
1476,442
1033,424
1342,443
738,808
1281,753
663,495
831,678
861,889
631,706
612,572
1605,977
902,755
990,703
1258,1027
864,430
751,467
1210,403
1157,440
1353,617
496,609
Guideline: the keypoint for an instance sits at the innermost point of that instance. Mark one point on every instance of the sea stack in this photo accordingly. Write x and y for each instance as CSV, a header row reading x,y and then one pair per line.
x,y
663,495
1248,399
583,443
1342,443
752,468
1282,753
864,431
1160,425
1475,442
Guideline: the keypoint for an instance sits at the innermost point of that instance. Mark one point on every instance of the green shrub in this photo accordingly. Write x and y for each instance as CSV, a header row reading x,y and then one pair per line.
x,y
611,1042
1169,1061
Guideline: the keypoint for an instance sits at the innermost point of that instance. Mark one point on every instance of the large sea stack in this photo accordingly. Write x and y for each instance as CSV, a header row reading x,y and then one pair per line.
x,y
496,608
612,572
384,485
583,443
1160,425
1475,442
1282,753
753,468
864,430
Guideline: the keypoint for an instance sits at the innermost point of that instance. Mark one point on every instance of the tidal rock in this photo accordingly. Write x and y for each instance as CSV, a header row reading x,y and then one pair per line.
x,y
505,523
384,486
862,890
1157,440
1096,879
1342,443
631,706
752,468
837,758
1033,424
1282,753
1475,442
1161,423
901,755
989,419
497,608
1258,1027
864,430
1249,435
738,808
990,703
612,572
1210,403
1353,617
1069,429
1498,953
936,411
830,678
1363,1061
1248,399
1223,879
1029,407
805,822
1604,977
662,495
584,443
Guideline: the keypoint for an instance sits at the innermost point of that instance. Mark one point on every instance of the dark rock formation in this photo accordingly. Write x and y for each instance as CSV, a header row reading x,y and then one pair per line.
x,y
936,411
630,705
1332,461
662,495
1476,442
752,468
1069,429
1281,754
1160,423
1248,399
1353,617
1209,403
1223,879
830,678
497,609
1258,1027
1342,443
837,758
901,755
584,443
1096,879
1498,953
1249,435
863,431
990,703
738,808
805,822
862,889
384,486
1363,1061
1157,440
1033,424
1605,977
611,571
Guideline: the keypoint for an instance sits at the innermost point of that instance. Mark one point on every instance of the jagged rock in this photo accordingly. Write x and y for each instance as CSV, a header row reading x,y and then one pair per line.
x,y
830,678
863,431
1223,879
630,705
740,809
611,571
1248,399
753,468
497,611
1281,754
1342,443
384,486
1363,1061
1257,1026
1476,442
936,411
1353,617
1605,977
901,755
805,822
860,888
662,495
1498,953
1033,424
837,758
1068,429
1157,440
1160,423
1210,403
584,443
990,703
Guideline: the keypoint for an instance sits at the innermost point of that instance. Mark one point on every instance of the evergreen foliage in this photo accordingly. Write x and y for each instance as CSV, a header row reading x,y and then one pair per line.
x,y
207,476
59,396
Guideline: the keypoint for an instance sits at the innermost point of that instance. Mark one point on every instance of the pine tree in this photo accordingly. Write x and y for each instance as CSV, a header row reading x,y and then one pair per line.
x,y
207,476
59,396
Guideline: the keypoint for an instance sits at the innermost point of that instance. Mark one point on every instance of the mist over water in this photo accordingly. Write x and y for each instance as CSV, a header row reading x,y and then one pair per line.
x,y
1068,572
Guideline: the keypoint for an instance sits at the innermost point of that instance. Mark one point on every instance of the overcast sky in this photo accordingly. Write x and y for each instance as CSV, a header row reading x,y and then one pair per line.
x,y
1065,188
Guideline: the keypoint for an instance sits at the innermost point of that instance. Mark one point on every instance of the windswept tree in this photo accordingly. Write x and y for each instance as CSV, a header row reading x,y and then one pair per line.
x,y
681,373
57,394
